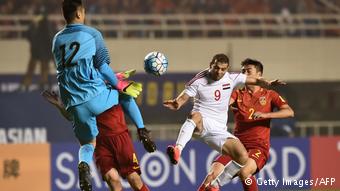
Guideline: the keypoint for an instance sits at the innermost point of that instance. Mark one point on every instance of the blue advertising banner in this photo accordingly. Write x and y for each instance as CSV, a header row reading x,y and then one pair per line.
x,y
288,165
157,172
28,118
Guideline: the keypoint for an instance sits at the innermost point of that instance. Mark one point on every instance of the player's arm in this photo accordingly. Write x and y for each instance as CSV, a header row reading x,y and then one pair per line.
x,y
189,91
232,106
231,101
130,88
285,111
263,82
101,62
54,99
126,74
176,104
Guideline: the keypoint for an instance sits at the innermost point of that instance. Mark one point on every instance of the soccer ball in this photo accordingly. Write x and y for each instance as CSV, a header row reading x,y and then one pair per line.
x,y
155,63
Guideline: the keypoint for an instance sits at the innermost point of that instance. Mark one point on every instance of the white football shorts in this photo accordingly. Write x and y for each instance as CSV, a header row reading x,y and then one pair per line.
x,y
214,134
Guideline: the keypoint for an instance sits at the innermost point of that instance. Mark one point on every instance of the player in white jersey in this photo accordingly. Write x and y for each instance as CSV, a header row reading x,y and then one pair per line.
x,y
211,90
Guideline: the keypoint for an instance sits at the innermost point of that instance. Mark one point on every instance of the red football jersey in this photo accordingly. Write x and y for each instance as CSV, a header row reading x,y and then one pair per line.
x,y
111,122
254,133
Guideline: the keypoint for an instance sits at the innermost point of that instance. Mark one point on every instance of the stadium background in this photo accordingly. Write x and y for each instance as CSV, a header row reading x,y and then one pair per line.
x,y
298,41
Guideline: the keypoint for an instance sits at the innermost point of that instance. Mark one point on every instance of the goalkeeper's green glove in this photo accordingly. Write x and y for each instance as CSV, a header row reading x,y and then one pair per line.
x,y
130,88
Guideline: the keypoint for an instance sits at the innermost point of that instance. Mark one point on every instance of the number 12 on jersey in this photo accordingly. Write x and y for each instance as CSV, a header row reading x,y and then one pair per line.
x,y
74,47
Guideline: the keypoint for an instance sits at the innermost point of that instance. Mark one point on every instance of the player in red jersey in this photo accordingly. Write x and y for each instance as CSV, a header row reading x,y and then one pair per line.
x,y
114,154
253,108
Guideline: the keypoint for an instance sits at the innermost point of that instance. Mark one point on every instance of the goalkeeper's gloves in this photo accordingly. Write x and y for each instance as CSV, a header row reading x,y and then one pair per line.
x,y
130,88
145,138
125,75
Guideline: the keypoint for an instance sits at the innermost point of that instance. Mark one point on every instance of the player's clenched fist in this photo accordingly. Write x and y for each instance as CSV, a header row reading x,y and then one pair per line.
x,y
171,104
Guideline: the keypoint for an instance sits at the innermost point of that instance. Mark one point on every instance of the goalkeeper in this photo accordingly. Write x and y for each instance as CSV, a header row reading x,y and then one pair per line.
x,y
81,58
114,152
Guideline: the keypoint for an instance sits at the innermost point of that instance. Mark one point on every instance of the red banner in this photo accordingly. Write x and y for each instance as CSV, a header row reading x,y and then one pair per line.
x,y
325,160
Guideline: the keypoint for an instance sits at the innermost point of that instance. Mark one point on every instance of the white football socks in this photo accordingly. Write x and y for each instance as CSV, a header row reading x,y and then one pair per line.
x,y
230,170
185,134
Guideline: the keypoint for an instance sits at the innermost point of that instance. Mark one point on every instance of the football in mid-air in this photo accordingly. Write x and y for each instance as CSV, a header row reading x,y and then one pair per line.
x,y
155,63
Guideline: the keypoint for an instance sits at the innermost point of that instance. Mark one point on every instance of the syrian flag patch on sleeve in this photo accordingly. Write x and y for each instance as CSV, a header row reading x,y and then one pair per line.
x,y
225,86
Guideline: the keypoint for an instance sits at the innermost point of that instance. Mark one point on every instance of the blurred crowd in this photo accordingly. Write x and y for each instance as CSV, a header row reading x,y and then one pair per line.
x,y
282,10
176,6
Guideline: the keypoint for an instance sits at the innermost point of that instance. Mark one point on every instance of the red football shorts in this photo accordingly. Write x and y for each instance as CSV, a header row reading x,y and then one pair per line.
x,y
116,152
259,155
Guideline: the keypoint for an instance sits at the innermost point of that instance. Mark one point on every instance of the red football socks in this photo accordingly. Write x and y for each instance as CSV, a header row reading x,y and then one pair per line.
x,y
144,188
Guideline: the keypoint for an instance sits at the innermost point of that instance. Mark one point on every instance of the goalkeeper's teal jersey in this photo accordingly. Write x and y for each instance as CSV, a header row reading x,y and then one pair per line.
x,y
78,51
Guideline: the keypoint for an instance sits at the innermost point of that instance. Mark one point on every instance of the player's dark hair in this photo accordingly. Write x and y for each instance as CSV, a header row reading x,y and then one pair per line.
x,y
258,65
219,58
70,8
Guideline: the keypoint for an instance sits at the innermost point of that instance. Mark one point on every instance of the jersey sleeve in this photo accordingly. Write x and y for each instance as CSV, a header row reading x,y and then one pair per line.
x,y
277,100
191,89
102,54
53,44
238,79
192,86
53,47
234,95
